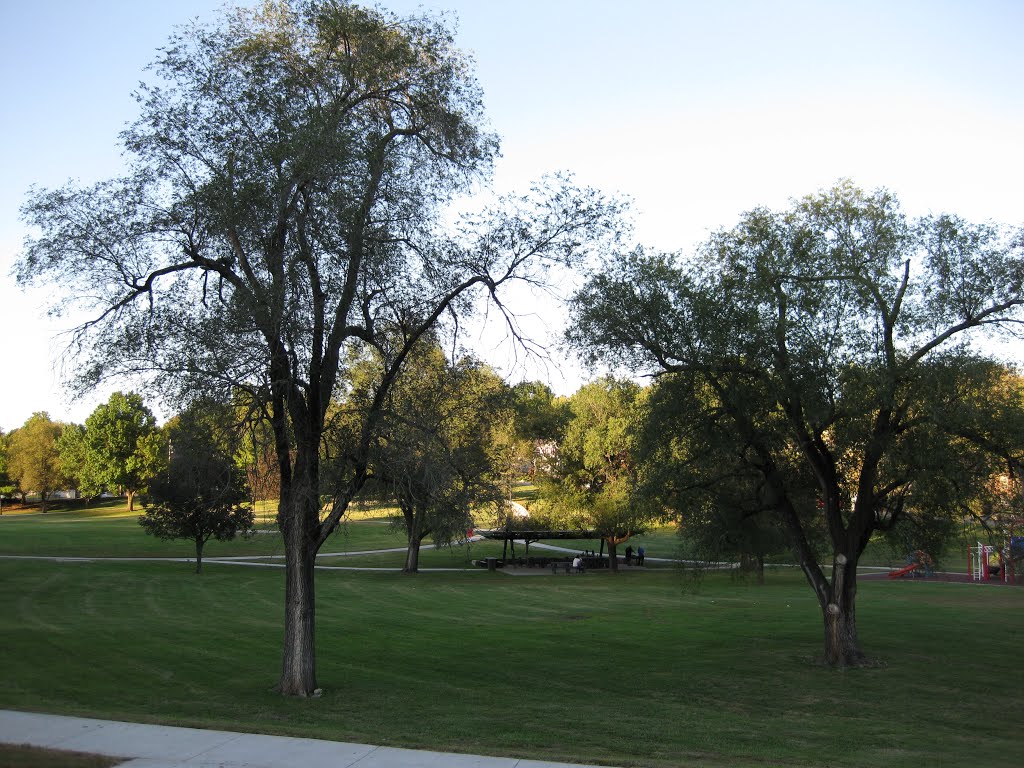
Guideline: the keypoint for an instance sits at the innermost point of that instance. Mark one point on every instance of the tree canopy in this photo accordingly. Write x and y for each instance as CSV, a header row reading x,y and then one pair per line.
x,y
689,465
7,483
121,447
824,340
595,476
283,209
33,459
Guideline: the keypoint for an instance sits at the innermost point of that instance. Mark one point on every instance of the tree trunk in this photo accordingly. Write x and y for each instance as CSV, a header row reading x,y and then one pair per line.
x,y
199,555
412,556
842,647
299,517
131,500
414,536
613,562
298,669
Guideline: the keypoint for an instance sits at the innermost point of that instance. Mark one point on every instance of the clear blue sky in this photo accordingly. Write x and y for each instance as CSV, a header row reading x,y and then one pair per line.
x,y
697,110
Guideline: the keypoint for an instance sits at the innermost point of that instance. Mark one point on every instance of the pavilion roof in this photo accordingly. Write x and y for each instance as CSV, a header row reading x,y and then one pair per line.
x,y
502,534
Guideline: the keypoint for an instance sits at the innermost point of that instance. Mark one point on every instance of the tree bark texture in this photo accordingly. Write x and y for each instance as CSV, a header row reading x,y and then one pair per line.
x,y
412,556
298,669
842,646
299,517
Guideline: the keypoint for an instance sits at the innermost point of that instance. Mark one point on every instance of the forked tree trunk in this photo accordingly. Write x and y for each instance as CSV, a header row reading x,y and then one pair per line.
x,y
842,647
131,500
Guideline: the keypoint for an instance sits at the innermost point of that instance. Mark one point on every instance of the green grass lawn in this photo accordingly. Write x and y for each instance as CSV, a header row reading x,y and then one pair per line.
x,y
641,669
111,531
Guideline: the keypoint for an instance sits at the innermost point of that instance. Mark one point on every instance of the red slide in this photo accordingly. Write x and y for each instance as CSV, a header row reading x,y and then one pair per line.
x,y
903,571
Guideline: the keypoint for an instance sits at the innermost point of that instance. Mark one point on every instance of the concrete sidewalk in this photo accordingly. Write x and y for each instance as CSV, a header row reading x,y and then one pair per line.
x,y
163,746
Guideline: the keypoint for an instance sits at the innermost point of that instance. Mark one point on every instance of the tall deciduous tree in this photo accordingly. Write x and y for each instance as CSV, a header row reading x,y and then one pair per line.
x,y
434,450
73,462
7,483
34,461
123,447
282,207
596,473
818,331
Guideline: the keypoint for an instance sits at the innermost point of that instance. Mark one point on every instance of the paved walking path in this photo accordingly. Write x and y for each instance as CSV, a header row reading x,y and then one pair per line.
x,y
163,746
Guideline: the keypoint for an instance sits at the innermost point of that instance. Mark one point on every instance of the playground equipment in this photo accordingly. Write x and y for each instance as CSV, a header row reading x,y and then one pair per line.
x,y
918,562
904,571
986,562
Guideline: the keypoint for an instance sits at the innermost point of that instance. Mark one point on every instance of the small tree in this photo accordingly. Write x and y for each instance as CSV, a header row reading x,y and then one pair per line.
x,y
433,451
72,458
539,422
201,495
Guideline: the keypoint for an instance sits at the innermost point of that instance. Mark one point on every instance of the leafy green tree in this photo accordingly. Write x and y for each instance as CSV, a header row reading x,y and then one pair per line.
x,y
970,460
73,461
123,448
526,438
540,419
282,208
540,414
7,483
202,494
699,479
596,474
433,450
819,330
33,460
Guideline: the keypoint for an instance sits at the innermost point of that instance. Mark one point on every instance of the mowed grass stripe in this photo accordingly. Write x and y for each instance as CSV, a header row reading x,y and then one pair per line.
x,y
630,671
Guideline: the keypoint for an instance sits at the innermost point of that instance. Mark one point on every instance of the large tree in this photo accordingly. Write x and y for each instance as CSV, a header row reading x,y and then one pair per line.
x,y
595,474
283,205
7,483
123,449
819,331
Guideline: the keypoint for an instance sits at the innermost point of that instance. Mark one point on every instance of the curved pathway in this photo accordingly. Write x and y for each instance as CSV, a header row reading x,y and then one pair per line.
x,y
163,746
